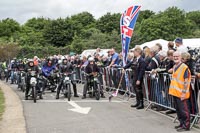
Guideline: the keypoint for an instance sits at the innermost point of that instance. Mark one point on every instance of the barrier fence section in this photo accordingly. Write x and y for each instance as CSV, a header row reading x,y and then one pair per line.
x,y
155,88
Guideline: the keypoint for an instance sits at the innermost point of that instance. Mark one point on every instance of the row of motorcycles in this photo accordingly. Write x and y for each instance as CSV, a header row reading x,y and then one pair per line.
x,y
39,83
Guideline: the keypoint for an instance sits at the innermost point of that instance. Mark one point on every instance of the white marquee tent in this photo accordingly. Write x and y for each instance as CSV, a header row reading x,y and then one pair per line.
x,y
193,43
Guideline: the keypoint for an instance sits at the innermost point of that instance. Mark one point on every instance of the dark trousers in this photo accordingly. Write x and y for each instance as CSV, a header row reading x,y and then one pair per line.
x,y
86,85
73,84
183,112
139,93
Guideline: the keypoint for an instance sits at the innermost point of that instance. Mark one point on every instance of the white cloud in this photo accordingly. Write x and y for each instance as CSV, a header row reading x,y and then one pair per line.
x,y
22,10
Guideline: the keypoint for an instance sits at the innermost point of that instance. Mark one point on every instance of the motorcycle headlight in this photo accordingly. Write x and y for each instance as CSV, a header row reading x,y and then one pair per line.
x,y
33,80
66,78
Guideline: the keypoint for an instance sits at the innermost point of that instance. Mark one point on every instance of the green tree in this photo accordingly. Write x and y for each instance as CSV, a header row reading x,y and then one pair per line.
x,y
167,25
144,15
59,32
84,20
195,17
8,29
109,22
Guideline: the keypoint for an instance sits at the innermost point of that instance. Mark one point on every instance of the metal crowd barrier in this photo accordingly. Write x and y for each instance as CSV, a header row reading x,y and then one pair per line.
x,y
110,80
157,88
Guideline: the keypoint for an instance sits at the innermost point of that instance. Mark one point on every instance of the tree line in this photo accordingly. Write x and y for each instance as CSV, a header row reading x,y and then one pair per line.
x,y
44,36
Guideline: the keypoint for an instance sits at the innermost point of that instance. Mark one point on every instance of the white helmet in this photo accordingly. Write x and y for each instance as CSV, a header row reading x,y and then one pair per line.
x,y
90,59
59,61
62,58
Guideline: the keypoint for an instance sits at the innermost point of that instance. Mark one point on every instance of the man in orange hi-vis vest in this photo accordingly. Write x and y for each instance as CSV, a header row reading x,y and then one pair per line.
x,y
179,89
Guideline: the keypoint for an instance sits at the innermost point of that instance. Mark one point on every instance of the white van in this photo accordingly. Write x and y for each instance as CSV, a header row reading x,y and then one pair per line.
x,y
92,51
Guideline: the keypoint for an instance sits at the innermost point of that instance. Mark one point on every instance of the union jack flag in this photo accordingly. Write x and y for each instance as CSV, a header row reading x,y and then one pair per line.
x,y
127,24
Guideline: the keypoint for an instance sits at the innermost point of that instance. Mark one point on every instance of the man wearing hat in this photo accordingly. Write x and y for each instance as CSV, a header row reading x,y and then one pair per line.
x,y
180,46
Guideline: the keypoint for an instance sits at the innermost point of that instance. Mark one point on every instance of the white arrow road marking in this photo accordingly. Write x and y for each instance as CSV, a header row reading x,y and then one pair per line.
x,y
78,109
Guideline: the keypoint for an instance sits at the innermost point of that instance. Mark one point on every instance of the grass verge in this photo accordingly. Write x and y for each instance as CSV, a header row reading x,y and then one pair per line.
x,y
2,103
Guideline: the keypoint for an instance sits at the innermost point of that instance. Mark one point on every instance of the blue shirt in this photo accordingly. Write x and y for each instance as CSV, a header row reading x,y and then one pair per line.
x,y
115,57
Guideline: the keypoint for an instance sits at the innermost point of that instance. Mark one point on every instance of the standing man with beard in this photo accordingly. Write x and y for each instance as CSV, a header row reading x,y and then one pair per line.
x,y
180,90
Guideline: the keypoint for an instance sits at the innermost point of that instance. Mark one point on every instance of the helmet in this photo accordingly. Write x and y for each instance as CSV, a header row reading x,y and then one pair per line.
x,y
65,59
59,61
62,57
49,59
30,61
90,59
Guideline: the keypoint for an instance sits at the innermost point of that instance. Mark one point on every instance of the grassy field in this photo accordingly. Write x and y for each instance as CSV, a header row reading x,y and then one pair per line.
x,y
2,100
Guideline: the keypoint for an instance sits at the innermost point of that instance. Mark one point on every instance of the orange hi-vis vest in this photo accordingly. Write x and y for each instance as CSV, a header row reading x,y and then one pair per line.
x,y
177,86
35,62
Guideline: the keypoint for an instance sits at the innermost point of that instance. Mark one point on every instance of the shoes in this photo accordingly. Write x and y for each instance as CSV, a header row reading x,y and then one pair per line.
x,y
135,105
160,108
76,95
57,96
102,96
84,97
176,127
41,97
182,129
132,96
26,98
170,112
141,106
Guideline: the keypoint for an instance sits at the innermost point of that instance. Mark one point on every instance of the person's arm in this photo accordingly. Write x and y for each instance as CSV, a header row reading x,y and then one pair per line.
x,y
186,83
128,65
97,69
112,62
141,71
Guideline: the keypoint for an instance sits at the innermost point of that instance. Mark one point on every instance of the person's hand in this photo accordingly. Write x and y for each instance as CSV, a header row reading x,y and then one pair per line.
x,y
123,71
170,70
114,65
153,71
137,82
183,96
198,75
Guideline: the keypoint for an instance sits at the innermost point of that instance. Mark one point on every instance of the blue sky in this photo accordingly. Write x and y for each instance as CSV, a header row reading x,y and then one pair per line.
x,y
22,10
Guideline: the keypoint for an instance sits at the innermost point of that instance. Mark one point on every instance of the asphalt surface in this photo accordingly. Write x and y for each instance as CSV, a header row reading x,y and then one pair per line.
x,y
54,116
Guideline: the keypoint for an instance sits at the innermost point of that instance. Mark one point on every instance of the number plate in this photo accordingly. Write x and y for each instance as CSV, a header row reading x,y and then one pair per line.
x,y
32,73
66,78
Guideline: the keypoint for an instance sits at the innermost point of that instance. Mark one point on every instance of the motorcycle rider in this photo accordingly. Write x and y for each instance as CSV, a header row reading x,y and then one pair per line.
x,y
92,69
66,67
47,69
14,67
30,67
21,67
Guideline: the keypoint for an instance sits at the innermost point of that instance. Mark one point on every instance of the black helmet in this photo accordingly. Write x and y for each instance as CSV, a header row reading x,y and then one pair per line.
x,y
30,61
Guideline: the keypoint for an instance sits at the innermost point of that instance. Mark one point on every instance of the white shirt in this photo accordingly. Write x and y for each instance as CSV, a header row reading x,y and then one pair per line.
x,y
182,49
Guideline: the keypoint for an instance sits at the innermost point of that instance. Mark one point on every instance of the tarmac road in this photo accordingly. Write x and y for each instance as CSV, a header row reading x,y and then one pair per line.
x,y
54,116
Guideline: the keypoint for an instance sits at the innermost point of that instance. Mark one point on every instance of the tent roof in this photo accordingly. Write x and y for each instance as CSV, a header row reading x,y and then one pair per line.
x,y
163,42
193,43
